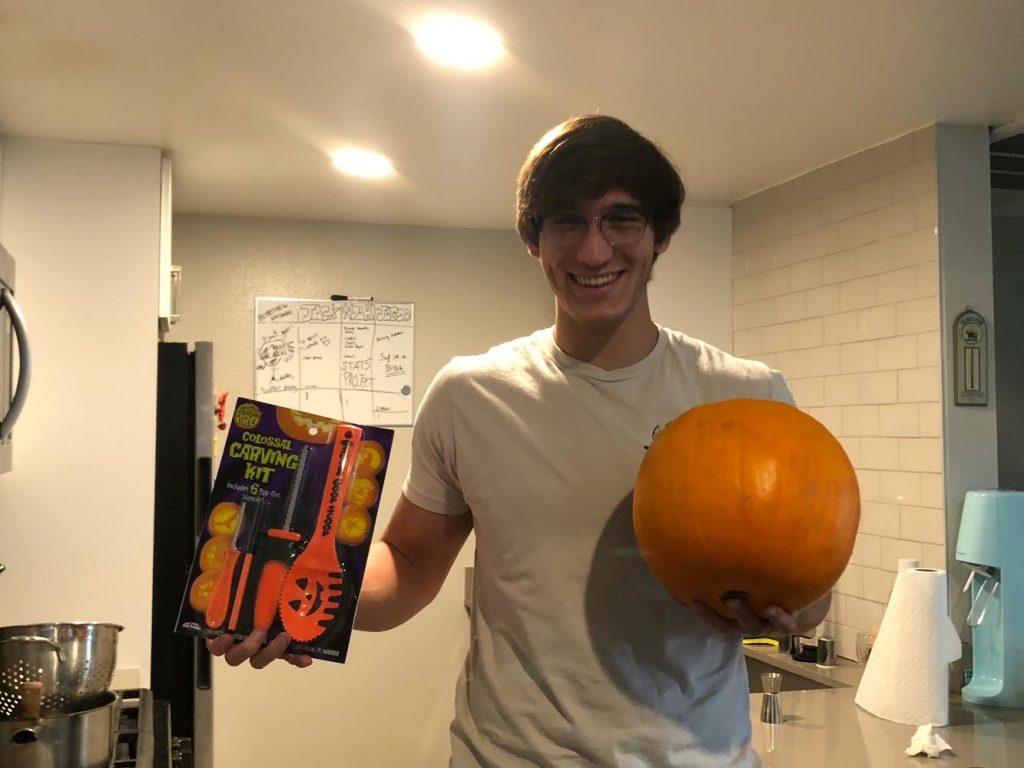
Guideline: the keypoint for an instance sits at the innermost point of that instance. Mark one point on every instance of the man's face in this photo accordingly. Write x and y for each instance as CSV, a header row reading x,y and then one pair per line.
x,y
597,282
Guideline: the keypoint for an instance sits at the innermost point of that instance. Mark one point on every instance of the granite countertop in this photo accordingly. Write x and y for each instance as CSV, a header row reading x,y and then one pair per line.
x,y
825,727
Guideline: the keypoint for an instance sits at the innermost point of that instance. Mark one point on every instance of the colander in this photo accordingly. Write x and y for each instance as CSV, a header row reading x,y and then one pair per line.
x,y
73,661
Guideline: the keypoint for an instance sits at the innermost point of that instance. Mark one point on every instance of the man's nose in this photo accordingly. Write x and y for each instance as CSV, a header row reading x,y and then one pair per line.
x,y
593,250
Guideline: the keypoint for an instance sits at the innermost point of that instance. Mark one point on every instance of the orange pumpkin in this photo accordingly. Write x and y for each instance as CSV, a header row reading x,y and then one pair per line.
x,y
354,526
211,556
371,458
746,495
201,590
224,518
363,492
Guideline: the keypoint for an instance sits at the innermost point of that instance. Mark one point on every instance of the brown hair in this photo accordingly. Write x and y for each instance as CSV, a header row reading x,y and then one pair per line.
x,y
588,156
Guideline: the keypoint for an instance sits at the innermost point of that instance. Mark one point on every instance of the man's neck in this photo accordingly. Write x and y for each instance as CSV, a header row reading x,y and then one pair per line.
x,y
607,347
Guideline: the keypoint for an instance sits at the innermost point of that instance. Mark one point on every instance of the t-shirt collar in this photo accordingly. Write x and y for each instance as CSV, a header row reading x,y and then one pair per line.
x,y
590,371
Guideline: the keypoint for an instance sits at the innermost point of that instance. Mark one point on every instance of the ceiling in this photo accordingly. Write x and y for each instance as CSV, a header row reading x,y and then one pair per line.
x,y
250,97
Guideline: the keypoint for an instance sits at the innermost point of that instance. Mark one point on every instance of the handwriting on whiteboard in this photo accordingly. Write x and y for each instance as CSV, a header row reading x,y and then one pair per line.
x,y
350,360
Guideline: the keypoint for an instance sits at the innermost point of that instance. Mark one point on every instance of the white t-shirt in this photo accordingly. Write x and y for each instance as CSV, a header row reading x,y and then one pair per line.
x,y
578,656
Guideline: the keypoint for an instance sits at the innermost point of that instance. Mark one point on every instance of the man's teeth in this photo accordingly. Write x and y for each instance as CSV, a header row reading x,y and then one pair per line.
x,y
595,281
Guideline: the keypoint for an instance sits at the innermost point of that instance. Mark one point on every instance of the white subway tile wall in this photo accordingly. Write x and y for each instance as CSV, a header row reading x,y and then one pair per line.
x,y
836,284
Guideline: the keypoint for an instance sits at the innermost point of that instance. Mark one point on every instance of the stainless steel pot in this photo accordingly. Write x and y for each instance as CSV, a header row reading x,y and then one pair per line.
x,y
74,739
73,661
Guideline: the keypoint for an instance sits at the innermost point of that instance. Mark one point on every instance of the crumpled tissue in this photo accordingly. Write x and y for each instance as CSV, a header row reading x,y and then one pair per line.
x,y
926,740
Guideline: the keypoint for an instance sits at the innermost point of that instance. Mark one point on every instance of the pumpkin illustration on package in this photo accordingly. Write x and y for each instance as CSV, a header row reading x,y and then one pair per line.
x,y
211,556
354,526
745,495
201,590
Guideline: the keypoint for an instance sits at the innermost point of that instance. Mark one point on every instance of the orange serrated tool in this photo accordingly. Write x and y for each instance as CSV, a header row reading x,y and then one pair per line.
x,y
275,552
311,595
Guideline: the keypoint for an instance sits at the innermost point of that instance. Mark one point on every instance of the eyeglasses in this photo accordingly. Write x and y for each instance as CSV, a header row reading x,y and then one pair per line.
x,y
620,227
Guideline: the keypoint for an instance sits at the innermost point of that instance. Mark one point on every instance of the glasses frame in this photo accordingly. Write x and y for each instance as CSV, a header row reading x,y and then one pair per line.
x,y
599,219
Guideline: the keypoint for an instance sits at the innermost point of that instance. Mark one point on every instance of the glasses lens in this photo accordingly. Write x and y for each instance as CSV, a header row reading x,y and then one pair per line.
x,y
564,228
623,227
618,227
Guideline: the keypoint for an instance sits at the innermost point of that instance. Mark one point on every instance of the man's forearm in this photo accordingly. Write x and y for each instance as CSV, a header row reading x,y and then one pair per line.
x,y
391,593
408,564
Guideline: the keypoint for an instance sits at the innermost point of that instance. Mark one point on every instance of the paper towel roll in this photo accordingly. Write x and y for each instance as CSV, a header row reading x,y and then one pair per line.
x,y
906,678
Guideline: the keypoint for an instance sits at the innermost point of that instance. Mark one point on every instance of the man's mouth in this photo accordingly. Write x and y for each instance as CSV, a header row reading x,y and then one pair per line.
x,y
596,281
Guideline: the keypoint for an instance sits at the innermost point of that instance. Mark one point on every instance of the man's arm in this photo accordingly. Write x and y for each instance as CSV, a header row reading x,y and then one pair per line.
x,y
408,565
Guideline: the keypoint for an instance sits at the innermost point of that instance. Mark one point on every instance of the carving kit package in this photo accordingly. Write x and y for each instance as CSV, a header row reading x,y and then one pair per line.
x,y
288,529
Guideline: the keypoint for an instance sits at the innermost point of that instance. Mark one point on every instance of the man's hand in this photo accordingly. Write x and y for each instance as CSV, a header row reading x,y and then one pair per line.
x,y
404,572
250,650
772,621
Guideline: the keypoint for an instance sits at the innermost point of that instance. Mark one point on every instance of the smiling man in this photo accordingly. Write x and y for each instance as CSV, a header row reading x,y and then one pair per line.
x,y
578,656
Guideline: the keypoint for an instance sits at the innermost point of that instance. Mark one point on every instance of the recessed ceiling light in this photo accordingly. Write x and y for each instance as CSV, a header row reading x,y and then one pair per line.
x,y
363,163
458,41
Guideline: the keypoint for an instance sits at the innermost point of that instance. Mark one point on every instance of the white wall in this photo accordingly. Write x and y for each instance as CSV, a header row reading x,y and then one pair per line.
x,y
692,286
82,222
392,702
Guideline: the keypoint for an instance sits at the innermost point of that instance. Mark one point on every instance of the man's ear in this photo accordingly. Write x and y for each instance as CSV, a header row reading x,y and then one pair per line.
x,y
660,248
533,249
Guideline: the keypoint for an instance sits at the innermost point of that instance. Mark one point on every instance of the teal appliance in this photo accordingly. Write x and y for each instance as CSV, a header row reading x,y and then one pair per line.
x,y
991,543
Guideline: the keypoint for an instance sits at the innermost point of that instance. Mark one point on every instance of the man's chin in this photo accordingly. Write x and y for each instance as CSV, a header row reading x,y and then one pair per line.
x,y
598,318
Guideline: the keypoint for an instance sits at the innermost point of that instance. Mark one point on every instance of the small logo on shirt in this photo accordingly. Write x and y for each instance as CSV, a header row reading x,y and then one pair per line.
x,y
654,433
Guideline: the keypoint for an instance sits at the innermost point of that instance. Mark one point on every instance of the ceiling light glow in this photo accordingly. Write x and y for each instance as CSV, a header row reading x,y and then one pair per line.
x,y
459,41
363,163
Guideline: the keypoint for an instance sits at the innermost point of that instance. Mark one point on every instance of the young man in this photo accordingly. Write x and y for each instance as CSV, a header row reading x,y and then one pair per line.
x,y
578,656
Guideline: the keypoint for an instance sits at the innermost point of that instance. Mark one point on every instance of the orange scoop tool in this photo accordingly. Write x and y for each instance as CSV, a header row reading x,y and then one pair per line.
x,y
311,595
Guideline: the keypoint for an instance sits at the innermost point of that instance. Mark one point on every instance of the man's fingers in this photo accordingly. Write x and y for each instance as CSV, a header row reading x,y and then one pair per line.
x,y
245,649
750,623
781,620
220,645
274,649
251,649
744,620
713,620
298,660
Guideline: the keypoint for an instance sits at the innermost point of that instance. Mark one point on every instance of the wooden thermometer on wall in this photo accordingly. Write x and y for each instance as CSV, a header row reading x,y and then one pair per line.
x,y
970,359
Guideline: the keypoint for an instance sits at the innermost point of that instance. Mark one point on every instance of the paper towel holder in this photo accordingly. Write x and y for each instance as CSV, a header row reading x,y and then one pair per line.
x,y
918,692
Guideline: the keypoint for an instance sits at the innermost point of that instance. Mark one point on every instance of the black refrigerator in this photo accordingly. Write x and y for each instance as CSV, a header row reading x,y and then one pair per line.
x,y
185,420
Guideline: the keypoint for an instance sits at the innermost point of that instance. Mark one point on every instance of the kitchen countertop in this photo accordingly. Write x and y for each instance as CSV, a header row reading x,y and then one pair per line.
x,y
825,727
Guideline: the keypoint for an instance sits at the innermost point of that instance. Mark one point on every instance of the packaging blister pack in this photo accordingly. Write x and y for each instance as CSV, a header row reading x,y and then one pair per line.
x,y
288,528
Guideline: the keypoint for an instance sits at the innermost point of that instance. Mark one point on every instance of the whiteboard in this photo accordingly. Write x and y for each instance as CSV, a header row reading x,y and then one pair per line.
x,y
349,360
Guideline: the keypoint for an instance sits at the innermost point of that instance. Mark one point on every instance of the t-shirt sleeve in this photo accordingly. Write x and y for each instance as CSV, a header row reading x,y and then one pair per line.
x,y
432,480
780,389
